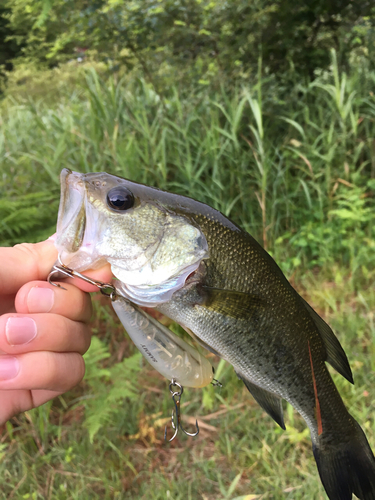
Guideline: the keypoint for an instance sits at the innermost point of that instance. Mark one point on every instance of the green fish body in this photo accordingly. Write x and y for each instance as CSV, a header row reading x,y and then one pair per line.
x,y
228,292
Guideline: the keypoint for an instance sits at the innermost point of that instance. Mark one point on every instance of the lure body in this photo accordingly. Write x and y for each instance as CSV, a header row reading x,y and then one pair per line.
x,y
171,356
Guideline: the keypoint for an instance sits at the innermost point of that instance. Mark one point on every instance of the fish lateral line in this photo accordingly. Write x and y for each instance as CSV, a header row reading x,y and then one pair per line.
x,y
317,404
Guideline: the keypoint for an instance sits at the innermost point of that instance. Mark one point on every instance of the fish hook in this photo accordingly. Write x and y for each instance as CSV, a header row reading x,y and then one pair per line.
x,y
106,289
176,414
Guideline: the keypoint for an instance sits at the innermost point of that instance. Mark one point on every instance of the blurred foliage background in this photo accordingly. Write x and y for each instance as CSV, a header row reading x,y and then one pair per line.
x,y
264,110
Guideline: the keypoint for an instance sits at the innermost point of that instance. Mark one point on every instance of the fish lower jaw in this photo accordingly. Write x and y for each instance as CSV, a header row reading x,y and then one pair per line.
x,y
153,294
79,261
146,296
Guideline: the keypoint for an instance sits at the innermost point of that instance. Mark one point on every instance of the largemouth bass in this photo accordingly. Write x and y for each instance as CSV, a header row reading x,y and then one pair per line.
x,y
201,270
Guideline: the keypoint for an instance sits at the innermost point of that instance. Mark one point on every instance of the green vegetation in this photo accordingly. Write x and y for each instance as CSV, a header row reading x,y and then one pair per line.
x,y
201,40
283,145
296,170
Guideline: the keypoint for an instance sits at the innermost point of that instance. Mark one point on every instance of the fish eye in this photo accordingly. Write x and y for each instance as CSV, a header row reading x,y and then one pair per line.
x,y
120,198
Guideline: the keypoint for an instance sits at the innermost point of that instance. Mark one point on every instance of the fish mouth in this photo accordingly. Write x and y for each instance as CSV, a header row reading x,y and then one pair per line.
x,y
77,224
71,220
89,235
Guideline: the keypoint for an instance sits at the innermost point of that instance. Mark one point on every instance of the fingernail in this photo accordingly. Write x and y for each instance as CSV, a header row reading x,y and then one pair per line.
x,y
40,299
20,330
9,367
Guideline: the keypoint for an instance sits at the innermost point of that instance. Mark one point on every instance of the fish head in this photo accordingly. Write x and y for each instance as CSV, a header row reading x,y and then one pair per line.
x,y
151,247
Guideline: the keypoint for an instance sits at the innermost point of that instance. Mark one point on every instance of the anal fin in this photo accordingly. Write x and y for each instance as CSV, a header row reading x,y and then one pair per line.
x,y
271,403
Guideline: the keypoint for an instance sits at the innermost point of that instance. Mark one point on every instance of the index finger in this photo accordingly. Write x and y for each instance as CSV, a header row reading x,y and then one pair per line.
x,y
23,263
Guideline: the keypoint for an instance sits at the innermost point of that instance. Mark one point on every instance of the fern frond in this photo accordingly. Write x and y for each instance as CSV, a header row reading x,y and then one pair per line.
x,y
110,386
30,217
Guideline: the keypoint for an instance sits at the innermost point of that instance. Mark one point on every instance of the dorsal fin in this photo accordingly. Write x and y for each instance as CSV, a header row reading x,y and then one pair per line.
x,y
271,403
336,356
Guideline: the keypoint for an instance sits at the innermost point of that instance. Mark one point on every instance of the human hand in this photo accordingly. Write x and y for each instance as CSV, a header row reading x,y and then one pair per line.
x,y
43,329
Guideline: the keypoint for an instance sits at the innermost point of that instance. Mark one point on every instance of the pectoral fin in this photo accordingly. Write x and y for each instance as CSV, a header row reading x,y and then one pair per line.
x,y
231,303
271,403
336,356
201,342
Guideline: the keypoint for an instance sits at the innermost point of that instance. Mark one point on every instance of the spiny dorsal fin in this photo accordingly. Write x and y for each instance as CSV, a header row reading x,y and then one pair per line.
x,y
271,403
336,356
237,305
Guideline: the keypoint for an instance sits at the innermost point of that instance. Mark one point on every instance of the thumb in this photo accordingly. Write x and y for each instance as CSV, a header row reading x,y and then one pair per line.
x,y
33,262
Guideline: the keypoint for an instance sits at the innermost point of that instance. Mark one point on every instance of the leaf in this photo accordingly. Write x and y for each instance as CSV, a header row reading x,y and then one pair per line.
x,y
294,124
47,6
3,450
248,497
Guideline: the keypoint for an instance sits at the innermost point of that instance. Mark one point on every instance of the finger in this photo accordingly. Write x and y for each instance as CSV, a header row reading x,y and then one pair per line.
x,y
23,263
7,303
17,401
42,332
41,370
40,397
41,297
34,261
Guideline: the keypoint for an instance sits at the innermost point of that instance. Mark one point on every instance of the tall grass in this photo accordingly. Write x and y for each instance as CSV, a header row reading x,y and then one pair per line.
x,y
277,167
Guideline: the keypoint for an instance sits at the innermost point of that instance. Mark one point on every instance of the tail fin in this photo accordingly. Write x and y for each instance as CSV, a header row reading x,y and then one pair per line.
x,y
347,467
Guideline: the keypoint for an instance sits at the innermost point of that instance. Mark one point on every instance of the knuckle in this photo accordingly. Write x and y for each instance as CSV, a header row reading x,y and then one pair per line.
x,y
77,337
83,304
28,249
52,369
76,304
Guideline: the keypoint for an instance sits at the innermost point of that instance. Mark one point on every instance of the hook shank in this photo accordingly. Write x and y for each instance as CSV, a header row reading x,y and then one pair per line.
x,y
106,289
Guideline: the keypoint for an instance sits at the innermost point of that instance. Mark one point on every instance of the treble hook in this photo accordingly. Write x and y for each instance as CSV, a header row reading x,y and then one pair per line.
x,y
176,396
106,289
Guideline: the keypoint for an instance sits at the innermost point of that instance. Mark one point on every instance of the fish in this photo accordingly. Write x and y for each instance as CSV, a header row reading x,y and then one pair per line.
x,y
191,263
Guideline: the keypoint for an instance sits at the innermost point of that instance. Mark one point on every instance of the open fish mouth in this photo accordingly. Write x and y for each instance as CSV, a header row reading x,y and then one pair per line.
x,y
71,221
76,224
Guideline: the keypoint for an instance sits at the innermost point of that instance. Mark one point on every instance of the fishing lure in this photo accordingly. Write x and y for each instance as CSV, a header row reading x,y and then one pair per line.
x,y
170,355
